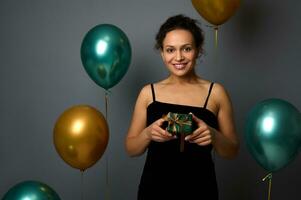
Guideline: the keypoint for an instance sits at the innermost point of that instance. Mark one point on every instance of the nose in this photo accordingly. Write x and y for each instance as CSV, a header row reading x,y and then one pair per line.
x,y
179,56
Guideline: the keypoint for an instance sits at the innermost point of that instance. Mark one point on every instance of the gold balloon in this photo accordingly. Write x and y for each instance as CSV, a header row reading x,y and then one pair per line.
x,y
216,12
81,136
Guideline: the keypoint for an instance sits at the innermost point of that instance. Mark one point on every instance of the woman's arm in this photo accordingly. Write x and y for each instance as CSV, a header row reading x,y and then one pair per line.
x,y
224,140
137,139
139,136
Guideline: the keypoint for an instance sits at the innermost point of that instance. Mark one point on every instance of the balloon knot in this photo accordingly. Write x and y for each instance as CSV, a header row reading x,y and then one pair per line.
x,y
108,92
269,176
213,26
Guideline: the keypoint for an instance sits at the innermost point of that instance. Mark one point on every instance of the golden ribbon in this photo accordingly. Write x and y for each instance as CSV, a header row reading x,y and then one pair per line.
x,y
174,119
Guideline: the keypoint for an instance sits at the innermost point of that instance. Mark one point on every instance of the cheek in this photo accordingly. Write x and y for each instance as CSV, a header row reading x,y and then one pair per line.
x,y
193,56
166,58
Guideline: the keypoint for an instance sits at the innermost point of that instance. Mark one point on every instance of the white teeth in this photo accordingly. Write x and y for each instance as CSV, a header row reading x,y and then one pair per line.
x,y
179,66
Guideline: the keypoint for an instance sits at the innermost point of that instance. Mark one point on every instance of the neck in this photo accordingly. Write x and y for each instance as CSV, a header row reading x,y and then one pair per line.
x,y
188,79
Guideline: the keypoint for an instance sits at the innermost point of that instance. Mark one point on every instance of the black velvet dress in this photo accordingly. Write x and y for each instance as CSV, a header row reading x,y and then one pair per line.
x,y
170,174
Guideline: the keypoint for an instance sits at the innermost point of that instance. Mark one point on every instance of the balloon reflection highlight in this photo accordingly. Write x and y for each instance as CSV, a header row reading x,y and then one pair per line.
x,y
77,126
268,125
101,47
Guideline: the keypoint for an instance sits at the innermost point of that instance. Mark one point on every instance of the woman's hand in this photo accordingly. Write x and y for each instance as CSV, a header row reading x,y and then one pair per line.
x,y
156,133
203,135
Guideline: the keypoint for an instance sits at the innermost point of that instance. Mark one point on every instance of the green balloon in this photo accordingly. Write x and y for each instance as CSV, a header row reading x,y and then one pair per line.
x,y
273,133
106,54
31,190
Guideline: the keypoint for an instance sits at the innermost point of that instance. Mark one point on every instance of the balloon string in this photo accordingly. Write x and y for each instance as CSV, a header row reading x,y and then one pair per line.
x,y
216,46
106,102
107,195
215,42
216,34
269,176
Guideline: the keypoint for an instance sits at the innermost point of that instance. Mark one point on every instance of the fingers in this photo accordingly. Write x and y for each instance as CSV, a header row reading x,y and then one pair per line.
x,y
159,138
197,120
202,140
160,121
158,134
197,134
201,136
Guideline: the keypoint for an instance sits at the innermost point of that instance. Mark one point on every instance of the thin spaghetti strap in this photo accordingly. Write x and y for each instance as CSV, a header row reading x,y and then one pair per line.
x,y
209,92
153,92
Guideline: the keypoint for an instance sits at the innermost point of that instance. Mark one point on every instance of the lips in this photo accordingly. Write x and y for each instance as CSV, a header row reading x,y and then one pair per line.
x,y
180,66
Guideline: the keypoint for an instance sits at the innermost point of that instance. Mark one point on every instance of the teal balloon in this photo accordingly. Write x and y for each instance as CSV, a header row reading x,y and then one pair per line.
x,y
31,190
106,54
273,133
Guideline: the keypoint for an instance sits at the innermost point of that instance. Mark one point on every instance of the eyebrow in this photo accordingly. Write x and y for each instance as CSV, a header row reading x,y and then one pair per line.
x,y
181,45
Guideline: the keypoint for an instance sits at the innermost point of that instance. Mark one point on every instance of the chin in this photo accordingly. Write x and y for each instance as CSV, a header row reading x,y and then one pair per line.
x,y
181,73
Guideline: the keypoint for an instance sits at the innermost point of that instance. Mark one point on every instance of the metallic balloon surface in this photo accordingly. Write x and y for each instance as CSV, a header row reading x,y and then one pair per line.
x,y
106,54
216,12
31,190
273,133
81,136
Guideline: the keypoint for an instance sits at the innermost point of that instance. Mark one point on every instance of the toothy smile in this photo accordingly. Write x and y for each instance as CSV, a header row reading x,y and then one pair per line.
x,y
180,66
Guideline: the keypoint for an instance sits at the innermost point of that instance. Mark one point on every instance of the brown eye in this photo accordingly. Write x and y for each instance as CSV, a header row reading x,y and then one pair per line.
x,y
187,49
169,50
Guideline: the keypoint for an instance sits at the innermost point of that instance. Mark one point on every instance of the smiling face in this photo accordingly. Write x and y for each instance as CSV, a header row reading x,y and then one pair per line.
x,y
179,52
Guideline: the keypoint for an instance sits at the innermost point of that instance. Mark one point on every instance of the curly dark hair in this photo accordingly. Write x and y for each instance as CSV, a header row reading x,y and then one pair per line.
x,y
181,22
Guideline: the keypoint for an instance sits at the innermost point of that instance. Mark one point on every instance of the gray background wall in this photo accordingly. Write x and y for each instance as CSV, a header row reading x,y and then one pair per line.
x,y
41,75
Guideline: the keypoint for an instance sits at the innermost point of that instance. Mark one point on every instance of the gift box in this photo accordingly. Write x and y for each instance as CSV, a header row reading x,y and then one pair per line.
x,y
179,123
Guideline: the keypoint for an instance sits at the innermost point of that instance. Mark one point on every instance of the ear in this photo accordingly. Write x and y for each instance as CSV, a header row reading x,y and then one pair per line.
x,y
162,53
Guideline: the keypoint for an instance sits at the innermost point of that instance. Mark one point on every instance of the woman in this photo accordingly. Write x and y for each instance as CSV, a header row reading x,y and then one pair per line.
x,y
168,172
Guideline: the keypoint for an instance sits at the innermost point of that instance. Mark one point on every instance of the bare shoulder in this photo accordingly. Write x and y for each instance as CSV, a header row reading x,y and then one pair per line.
x,y
145,95
220,94
219,88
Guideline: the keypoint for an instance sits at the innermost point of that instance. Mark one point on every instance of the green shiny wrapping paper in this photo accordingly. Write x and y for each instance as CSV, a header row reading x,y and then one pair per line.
x,y
179,123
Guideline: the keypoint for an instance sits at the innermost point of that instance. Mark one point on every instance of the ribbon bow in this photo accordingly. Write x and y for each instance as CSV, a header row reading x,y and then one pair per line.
x,y
177,121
